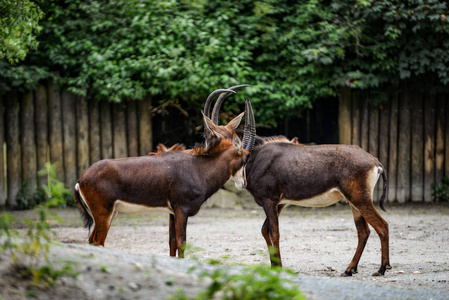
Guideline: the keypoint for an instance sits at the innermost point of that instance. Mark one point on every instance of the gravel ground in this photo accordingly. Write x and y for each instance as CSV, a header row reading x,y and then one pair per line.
x,y
317,244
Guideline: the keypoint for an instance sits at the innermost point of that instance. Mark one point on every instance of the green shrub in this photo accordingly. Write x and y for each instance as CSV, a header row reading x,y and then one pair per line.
x,y
56,192
441,193
27,250
253,282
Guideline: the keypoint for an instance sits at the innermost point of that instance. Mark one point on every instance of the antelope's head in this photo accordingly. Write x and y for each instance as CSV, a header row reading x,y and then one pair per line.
x,y
214,133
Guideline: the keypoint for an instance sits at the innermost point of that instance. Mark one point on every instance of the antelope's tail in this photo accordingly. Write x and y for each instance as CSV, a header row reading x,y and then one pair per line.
x,y
83,209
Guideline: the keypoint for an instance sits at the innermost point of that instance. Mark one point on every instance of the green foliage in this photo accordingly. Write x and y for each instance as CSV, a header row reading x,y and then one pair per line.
x,y
26,200
291,52
56,192
253,282
440,193
19,24
28,249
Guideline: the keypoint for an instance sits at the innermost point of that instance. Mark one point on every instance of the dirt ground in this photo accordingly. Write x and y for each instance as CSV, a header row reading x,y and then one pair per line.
x,y
319,242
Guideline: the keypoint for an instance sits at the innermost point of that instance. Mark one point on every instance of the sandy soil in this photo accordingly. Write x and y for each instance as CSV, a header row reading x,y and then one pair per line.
x,y
318,242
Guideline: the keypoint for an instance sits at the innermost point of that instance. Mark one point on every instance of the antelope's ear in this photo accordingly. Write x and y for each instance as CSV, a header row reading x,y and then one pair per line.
x,y
208,124
234,123
237,143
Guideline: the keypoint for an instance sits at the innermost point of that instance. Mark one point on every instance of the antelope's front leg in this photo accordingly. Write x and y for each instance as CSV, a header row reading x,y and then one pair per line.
x,y
180,219
172,236
271,229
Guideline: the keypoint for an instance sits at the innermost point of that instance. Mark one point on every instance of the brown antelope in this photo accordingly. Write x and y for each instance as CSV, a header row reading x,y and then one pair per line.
x,y
279,172
177,182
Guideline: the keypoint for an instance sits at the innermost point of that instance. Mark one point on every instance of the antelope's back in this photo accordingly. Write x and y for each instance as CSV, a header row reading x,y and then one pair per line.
x,y
301,172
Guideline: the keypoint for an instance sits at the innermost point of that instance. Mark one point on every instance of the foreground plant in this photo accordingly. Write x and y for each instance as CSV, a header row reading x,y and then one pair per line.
x,y
29,249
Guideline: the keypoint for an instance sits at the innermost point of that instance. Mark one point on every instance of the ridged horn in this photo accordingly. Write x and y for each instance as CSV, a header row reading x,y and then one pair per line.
x,y
220,100
212,95
249,133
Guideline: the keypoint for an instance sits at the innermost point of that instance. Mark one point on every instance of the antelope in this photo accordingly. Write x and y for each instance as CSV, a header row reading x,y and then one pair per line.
x,y
176,181
279,172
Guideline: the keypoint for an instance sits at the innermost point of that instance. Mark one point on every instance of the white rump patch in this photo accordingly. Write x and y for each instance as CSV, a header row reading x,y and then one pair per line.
x,y
325,199
132,208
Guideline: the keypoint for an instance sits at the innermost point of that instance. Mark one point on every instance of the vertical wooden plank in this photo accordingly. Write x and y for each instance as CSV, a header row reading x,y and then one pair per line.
x,y
133,130
2,157
55,127
439,138
69,137
94,131
12,147
446,138
344,116
417,148
373,137
106,130
41,115
355,134
393,149
145,127
429,145
364,122
384,138
119,129
404,147
82,134
27,139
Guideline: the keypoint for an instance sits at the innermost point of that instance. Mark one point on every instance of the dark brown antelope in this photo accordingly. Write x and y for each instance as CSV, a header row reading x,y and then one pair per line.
x,y
176,181
279,172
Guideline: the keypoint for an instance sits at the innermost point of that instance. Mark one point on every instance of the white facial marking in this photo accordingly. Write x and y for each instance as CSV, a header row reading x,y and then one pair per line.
x,y
240,178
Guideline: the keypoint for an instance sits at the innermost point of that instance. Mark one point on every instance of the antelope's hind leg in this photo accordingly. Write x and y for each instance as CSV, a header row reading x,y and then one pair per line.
x,y
370,214
363,233
103,222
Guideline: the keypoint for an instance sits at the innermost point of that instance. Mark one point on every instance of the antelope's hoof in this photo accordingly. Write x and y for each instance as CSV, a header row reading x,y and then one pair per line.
x,y
377,274
345,274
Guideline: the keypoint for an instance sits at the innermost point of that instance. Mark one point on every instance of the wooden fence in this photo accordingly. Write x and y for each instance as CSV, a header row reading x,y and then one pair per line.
x,y
409,134
56,126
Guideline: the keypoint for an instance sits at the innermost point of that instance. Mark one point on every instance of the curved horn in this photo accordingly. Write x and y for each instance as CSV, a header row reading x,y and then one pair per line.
x,y
217,106
212,95
249,133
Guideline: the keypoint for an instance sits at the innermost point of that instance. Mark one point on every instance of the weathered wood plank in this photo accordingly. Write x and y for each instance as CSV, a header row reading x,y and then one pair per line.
x,y
94,131
417,148
133,129
439,138
145,127
2,157
119,129
373,146
393,149
106,130
69,137
384,139
404,147
12,147
82,134
364,122
446,138
41,112
55,127
27,140
429,145
355,134
344,116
